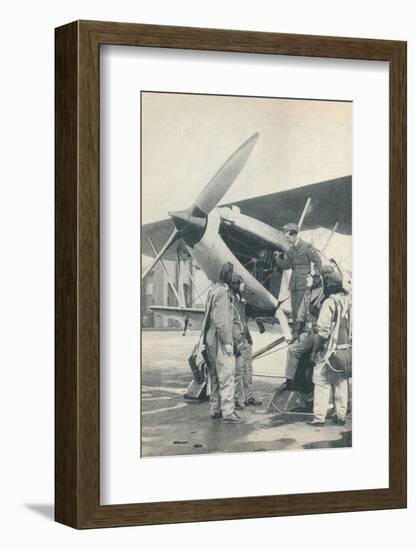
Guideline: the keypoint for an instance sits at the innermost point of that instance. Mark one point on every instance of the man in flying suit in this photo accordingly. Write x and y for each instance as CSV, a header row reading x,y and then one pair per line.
x,y
304,260
218,343
307,318
242,346
332,352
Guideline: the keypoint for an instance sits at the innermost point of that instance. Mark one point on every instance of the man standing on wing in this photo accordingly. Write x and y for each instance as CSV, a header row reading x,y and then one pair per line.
x,y
304,260
218,343
242,344
332,352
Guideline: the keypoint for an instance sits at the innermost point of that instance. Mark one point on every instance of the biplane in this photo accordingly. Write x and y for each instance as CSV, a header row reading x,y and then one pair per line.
x,y
246,233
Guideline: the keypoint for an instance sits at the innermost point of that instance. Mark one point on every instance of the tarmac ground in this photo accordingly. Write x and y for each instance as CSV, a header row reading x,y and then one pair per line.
x,y
171,425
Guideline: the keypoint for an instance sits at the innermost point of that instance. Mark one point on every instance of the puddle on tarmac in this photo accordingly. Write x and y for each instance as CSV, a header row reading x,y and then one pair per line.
x,y
344,441
285,442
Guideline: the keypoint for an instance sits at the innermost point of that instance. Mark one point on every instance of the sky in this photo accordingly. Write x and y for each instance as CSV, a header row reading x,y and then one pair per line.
x,y
186,138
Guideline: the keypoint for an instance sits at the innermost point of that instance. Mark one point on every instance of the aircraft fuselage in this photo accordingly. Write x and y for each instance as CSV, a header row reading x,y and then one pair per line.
x,y
211,252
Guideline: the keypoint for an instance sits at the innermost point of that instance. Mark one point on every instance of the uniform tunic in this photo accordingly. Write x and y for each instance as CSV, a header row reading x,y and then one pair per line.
x,y
218,334
303,259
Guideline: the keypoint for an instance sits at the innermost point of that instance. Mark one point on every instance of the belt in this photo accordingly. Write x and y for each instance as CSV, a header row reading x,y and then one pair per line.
x,y
343,346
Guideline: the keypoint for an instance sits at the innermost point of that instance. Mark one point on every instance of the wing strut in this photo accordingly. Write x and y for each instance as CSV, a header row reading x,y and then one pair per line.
x,y
268,347
189,270
170,241
180,281
336,225
171,284
303,215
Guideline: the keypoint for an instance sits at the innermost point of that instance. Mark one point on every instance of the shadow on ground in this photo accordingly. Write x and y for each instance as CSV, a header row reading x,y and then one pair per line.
x,y
45,510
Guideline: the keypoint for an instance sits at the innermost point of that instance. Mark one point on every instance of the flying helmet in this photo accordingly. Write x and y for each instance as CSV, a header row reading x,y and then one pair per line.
x,y
226,273
333,280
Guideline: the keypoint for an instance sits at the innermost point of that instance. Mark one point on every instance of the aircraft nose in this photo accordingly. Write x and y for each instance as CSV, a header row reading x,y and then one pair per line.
x,y
180,218
189,227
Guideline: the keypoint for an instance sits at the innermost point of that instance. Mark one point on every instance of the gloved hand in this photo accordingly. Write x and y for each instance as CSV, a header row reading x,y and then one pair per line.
x,y
236,350
228,348
318,345
316,280
314,309
296,331
278,255
309,281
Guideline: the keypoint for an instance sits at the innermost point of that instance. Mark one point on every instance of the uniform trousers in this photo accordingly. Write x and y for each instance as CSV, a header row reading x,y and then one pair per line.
x,y
324,386
222,381
295,351
296,299
243,374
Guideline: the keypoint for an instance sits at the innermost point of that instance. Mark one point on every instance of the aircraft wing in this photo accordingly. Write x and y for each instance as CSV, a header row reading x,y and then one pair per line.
x,y
331,202
159,232
271,325
195,315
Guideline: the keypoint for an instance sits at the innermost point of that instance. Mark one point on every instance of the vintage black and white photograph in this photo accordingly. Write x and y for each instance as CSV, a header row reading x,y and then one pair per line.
x,y
246,290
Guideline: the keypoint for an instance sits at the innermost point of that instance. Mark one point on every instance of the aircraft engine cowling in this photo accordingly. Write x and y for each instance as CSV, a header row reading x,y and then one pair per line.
x,y
238,225
191,228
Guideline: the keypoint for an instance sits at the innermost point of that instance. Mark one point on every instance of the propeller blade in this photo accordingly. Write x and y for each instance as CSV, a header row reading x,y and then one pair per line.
x,y
173,237
223,179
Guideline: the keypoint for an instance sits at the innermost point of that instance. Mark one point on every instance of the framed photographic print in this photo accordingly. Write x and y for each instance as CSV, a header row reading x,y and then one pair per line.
x,y
230,274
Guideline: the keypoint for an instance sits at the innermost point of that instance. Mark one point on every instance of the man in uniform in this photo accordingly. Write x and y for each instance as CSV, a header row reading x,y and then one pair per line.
x,y
218,342
304,260
332,352
242,344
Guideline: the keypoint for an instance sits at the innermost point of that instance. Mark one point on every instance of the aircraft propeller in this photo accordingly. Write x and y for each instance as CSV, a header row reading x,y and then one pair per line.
x,y
190,224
